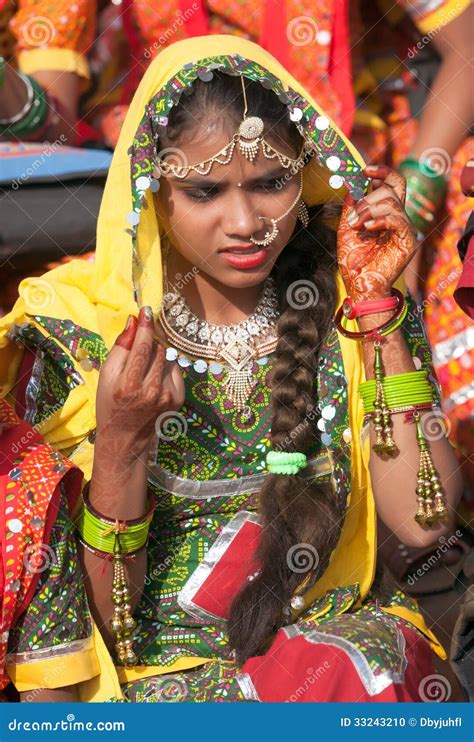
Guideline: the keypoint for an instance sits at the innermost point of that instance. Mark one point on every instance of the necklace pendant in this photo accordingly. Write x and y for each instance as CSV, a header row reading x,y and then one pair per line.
x,y
239,385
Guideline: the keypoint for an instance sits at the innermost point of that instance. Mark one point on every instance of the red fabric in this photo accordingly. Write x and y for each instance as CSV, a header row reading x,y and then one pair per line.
x,y
324,673
273,34
273,38
35,493
216,593
340,65
464,292
197,20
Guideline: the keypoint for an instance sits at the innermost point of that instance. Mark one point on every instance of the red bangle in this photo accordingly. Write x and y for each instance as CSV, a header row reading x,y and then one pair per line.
x,y
352,310
376,332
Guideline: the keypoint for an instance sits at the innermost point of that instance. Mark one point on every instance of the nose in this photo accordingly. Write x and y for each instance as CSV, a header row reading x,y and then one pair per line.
x,y
240,216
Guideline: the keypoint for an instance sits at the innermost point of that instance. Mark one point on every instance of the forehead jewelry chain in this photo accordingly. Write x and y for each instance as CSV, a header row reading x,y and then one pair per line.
x,y
273,231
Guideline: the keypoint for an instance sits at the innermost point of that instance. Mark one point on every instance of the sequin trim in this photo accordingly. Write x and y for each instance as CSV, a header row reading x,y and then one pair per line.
x,y
199,489
62,650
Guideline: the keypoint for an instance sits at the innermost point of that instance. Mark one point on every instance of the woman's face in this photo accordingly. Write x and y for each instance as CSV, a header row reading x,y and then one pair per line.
x,y
204,216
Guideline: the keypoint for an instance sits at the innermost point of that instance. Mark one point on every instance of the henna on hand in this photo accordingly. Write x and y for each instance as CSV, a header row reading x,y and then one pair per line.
x,y
376,239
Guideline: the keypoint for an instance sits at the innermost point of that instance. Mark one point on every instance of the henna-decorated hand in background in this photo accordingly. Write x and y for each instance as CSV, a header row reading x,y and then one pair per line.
x,y
136,385
376,239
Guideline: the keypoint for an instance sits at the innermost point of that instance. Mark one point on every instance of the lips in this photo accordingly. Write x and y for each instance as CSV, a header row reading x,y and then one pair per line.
x,y
240,248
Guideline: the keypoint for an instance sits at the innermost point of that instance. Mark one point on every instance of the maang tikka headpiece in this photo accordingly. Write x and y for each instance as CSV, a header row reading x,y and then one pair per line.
x,y
249,139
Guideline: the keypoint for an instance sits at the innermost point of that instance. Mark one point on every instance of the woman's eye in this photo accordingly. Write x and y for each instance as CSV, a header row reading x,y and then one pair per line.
x,y
202,194
276,184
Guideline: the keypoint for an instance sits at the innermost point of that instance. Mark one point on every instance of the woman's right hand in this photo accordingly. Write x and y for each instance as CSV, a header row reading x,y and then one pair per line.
x,y
136,385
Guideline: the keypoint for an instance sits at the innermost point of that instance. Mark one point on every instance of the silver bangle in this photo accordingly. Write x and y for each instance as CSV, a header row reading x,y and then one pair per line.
x,y
26,107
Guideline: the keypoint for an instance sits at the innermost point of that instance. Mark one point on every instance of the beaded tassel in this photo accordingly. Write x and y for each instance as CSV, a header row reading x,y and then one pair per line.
x,y
429,490
384,442
122,623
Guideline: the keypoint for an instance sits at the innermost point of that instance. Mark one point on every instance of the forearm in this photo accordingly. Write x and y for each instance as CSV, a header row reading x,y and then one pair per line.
x,y
117,490
449,109
394,479
62,86
450,105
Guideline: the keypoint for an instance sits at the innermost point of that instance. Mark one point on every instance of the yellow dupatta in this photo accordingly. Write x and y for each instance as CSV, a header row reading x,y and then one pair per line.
x,y
100,296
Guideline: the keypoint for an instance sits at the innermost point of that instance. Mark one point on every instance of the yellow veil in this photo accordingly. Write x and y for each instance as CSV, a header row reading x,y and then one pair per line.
x,y
128,272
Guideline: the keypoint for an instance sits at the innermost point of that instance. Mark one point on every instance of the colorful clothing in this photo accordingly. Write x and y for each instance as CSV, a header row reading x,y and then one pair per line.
x,y
38,490
138,30
206,481
206,523
385,131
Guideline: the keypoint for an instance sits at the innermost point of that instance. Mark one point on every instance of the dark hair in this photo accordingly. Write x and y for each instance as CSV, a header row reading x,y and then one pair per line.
x,y
293,510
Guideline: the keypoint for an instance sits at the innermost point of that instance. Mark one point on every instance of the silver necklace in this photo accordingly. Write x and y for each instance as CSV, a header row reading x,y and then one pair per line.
x,y
217,348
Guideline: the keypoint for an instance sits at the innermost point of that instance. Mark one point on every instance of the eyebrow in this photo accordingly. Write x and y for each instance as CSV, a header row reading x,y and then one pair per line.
x,y
206,183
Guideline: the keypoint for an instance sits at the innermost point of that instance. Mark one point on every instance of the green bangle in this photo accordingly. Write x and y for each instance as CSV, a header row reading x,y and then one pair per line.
x,y
397,322
285,462
400,390
34,118
98,532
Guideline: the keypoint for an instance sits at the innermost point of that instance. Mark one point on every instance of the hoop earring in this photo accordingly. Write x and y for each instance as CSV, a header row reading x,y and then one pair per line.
x,y
303,214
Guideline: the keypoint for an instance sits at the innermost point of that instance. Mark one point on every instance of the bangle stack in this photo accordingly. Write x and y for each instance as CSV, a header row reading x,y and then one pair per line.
x,y
116,540
385,395
32,116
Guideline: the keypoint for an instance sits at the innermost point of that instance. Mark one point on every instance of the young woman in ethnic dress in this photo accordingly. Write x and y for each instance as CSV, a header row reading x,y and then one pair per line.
x,y
225,435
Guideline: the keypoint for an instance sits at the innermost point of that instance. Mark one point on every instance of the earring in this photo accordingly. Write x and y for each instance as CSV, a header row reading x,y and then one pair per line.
x,y
303,215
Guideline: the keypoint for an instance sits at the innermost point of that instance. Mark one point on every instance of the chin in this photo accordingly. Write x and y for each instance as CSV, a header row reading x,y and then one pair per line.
x,y
243,278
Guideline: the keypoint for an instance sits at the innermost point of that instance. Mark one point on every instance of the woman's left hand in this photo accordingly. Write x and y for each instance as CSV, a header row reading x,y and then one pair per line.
x,y
376,239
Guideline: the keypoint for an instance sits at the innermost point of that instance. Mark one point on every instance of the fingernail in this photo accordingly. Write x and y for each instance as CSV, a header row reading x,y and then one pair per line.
x,y
369,223
127,324
371,168
145,315
352,217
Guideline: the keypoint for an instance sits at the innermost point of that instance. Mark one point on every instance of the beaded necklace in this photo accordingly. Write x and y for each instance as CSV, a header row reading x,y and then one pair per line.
x,y
232,349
